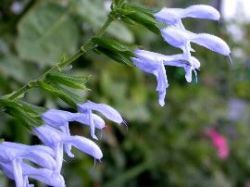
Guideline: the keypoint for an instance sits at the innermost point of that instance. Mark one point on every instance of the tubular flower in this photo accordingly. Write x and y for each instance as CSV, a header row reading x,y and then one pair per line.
x,y
60,119
46,176
56,139
178,60
13,154
153,63
107,111
173,16
175,34
180,38
189,65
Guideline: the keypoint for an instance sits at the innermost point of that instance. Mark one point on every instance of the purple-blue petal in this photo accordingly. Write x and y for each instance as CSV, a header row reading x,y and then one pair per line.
x,y
98,121
201,12
213,43
106,110
55,118
176,37
46,176
173,16
17,172
85,145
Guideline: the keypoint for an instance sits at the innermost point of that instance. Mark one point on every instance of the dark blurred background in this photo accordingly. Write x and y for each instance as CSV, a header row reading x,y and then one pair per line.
x,y
163,146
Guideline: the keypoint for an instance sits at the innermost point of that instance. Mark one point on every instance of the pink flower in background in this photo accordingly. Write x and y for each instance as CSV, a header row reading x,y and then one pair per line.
x,y
219,142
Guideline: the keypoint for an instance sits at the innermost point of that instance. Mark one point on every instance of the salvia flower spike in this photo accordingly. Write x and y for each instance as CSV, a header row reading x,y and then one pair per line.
x,y
16,159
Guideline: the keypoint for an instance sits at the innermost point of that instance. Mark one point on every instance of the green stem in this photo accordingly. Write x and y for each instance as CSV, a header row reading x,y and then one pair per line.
x,y
85,48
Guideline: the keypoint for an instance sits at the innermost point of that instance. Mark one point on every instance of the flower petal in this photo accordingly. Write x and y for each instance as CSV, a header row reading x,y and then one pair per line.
x,y
213,43
7,169
7,155
85,145
144,65
17,172
45,176
54,117
173,16
48,135
40,155
188,73
201,12
23,147
40,158
151,62
169,16
106,110
176,37
162,84
98,121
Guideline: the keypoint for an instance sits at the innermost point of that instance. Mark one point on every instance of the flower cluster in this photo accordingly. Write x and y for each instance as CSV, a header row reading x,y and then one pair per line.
x,y
44,162
175,34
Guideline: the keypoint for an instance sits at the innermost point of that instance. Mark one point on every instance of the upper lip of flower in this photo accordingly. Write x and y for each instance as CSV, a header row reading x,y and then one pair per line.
x,y
44,175
181,38
106,110
38,155
154,60
172,16
53,137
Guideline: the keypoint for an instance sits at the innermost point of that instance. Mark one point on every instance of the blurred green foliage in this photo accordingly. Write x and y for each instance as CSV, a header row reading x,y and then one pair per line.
x,y
162,146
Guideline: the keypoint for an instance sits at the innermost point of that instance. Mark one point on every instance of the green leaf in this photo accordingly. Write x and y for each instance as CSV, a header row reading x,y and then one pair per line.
x,y
22,112
114,49
45,33
112,45
76,82
133,14
36,110
51,89
117,56
75,94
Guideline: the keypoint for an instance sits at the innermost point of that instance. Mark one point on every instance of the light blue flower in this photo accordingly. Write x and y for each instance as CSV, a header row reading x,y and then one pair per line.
x,y
189,65
106,110
173,16
97,120
60,119
14,154
55,139
20,179
46,176
153,63
38,154
181,38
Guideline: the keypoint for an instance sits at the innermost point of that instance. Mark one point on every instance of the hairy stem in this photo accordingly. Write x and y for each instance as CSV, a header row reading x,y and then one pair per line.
x,y
85,48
